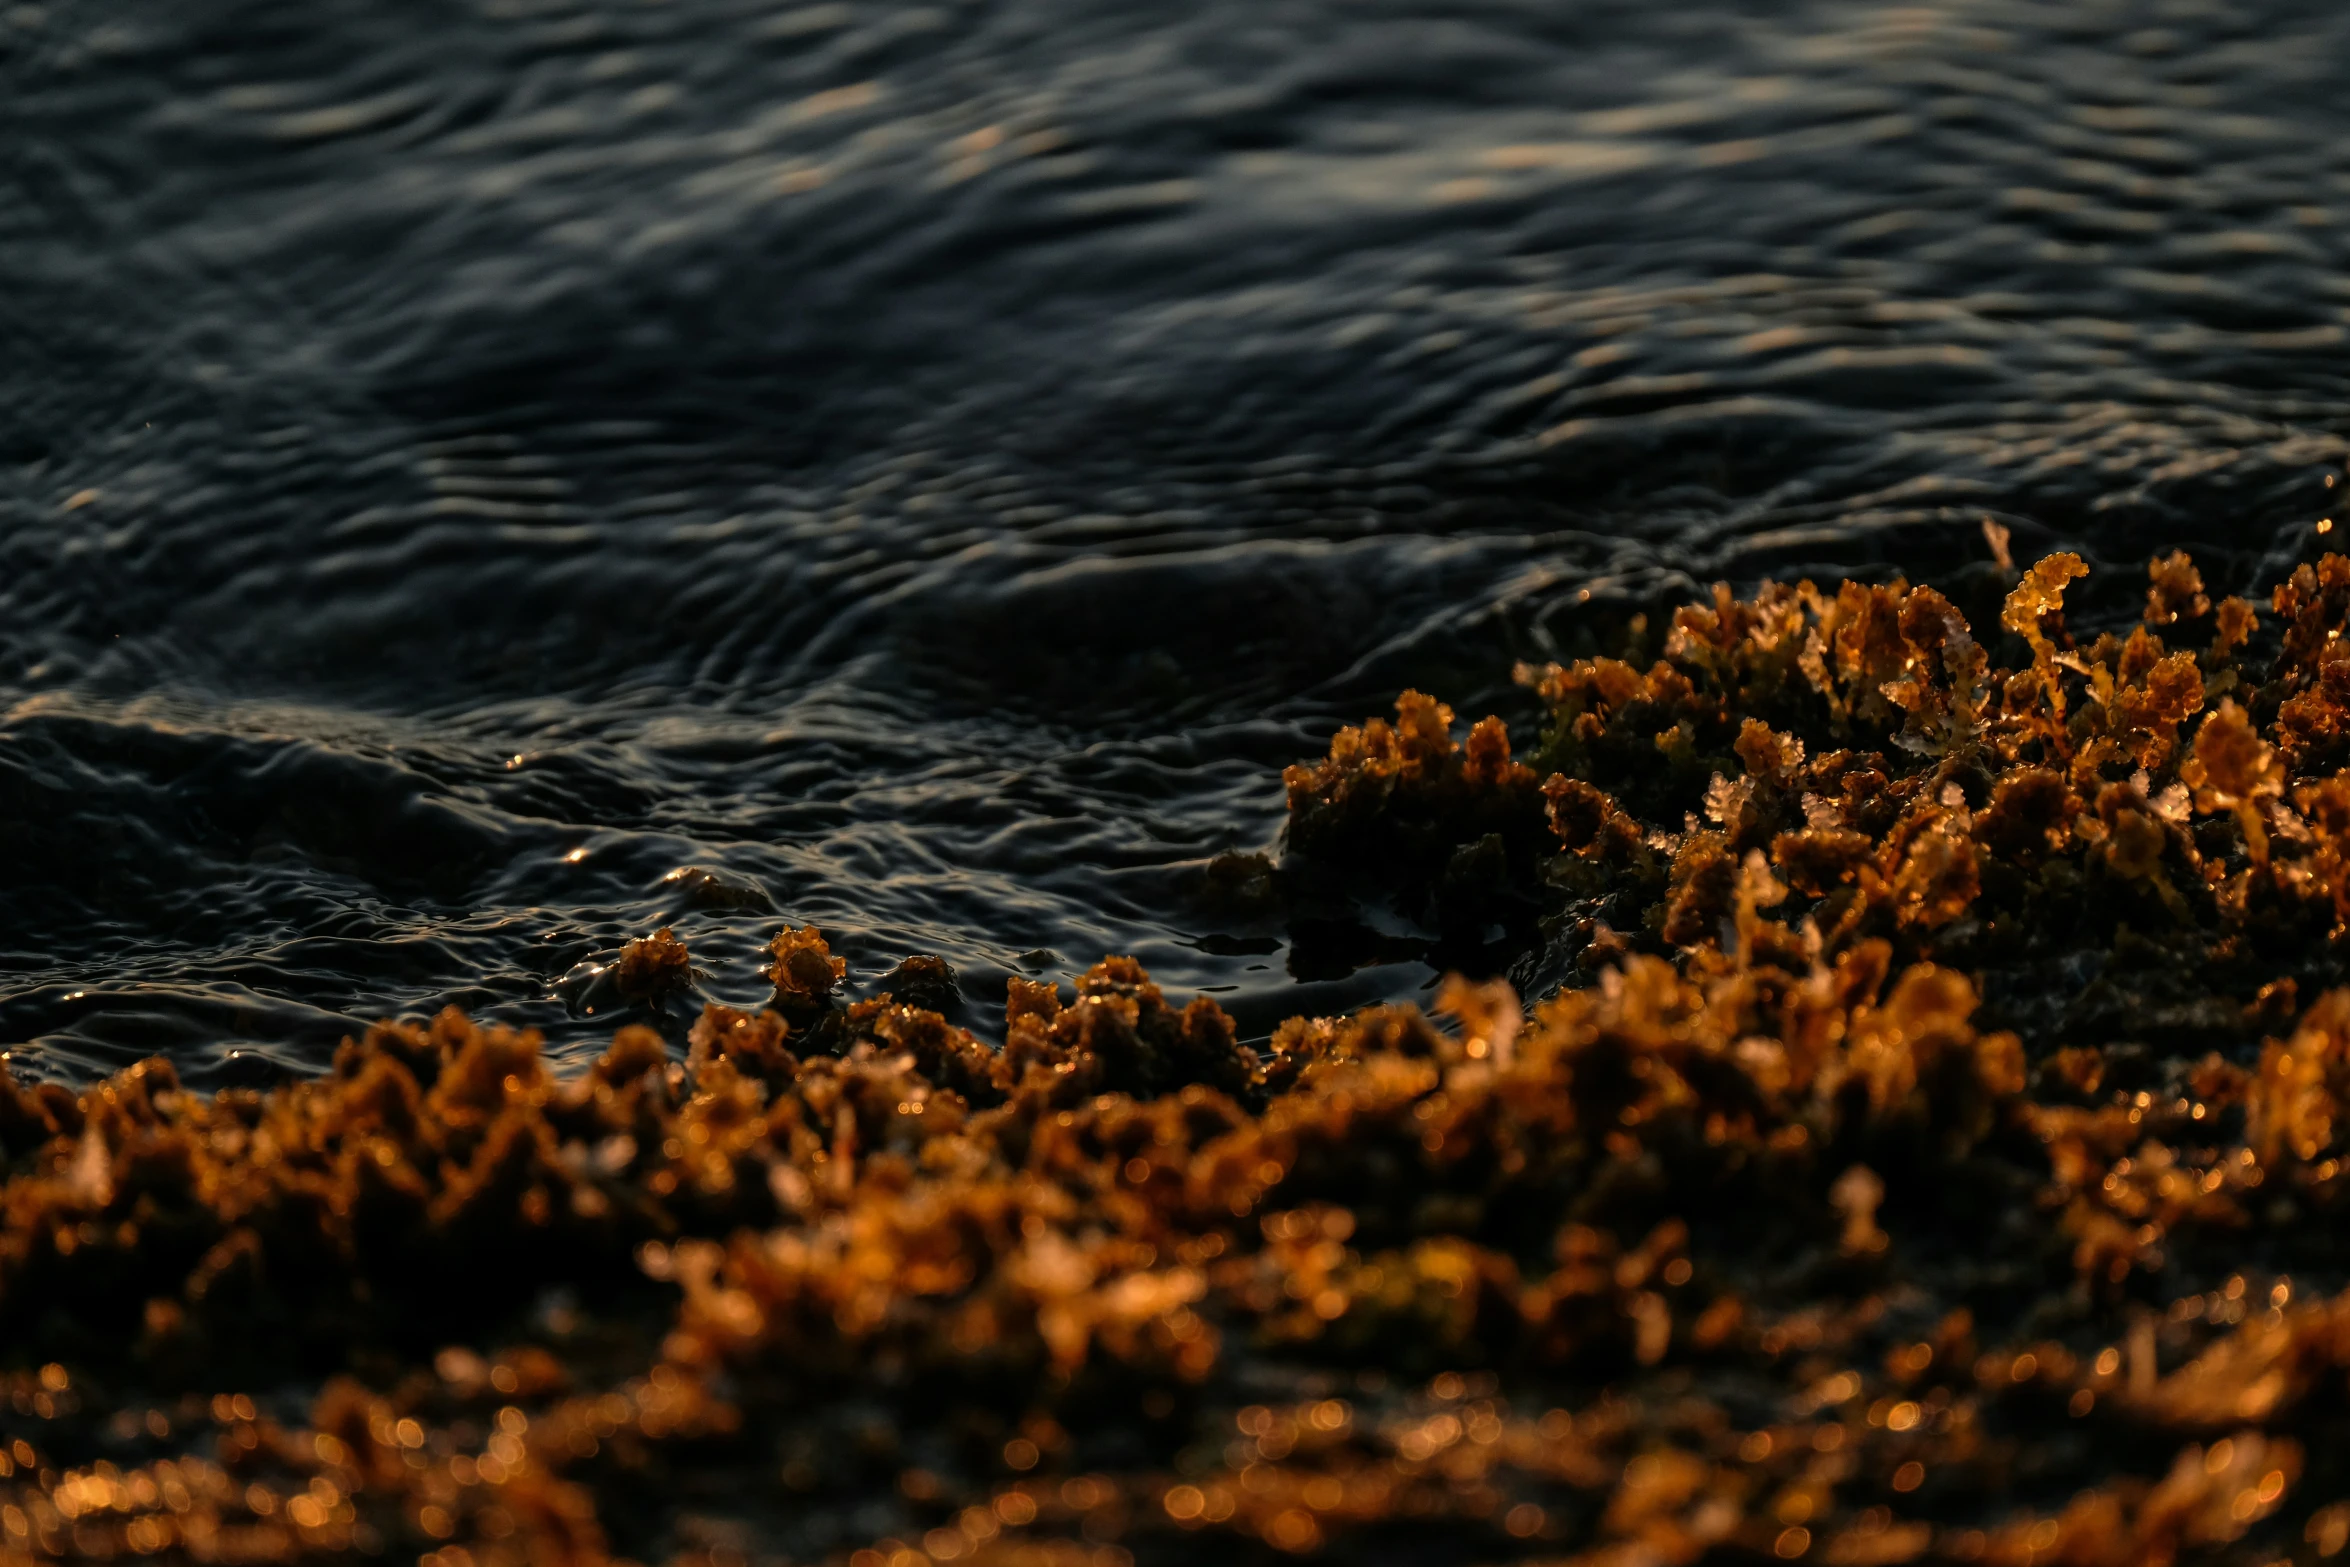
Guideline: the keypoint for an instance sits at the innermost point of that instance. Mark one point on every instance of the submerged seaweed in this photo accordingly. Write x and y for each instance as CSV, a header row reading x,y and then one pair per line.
x,y
1936,1161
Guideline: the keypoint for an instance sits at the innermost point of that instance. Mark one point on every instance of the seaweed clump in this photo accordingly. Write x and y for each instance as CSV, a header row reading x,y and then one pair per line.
x,y
856,1277
1451,827
805,973
1795,1231
1803,771
1465,1287
651,968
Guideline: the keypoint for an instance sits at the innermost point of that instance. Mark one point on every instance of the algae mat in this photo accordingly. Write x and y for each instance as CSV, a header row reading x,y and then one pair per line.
x,y
1815,1217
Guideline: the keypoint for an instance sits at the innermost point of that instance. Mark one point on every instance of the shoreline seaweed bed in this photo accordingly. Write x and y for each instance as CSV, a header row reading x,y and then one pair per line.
x,y
1935,1153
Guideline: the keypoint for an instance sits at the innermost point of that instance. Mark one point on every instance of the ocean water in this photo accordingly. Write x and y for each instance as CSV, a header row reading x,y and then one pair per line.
x,y
931,465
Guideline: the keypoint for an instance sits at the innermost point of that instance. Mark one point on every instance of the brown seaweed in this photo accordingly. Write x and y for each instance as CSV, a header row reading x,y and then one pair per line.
x,y
1793,1232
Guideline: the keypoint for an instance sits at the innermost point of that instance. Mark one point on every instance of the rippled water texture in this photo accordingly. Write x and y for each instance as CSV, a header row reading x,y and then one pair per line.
x,y
460,463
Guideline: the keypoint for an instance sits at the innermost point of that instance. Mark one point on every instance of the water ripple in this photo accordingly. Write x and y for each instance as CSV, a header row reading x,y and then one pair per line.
x,y
937,462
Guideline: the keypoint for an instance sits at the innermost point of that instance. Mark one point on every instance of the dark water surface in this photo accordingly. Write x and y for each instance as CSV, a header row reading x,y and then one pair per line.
x,y
460,463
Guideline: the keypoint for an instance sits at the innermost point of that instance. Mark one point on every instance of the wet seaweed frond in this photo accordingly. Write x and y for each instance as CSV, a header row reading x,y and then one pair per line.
x,y
1452,827
805,974
653,968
